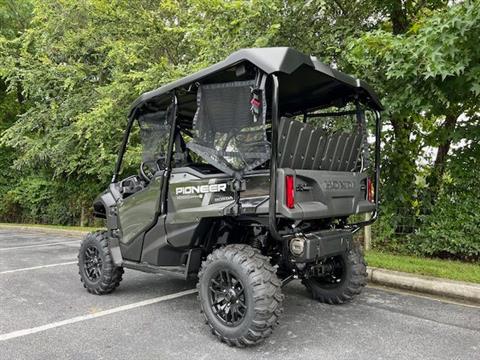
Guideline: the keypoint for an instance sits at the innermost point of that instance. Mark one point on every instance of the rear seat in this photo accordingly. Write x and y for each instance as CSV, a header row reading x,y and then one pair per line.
x,y
302,146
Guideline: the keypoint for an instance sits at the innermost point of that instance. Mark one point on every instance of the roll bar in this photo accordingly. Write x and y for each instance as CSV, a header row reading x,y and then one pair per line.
x,y
378,127
168,169
123,146
272,206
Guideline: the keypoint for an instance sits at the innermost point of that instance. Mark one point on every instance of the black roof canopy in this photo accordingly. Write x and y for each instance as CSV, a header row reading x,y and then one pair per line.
x,y
305,82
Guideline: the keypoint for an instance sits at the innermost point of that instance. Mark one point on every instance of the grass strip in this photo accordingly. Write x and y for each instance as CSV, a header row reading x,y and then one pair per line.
x,y
447,269
56,227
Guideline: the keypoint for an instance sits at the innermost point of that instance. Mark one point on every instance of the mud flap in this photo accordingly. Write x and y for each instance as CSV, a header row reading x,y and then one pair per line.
x,y
114,246
193,263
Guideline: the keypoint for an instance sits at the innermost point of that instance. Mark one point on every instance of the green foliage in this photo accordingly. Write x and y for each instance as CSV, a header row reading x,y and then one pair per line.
x,y
433,67
452,229
81,64
37,199
80,71
425,74
14,17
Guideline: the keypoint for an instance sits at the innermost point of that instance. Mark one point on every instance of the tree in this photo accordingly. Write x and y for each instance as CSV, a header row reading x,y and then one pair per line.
x,y
81,64
14,18
77,66
429,77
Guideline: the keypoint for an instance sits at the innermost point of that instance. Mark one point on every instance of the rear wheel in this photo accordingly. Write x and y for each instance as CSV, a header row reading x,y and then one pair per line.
x,y
98,273
343,278
240,295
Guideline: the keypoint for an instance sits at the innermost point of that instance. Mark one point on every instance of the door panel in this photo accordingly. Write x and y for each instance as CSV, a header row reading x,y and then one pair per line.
x,y
137,212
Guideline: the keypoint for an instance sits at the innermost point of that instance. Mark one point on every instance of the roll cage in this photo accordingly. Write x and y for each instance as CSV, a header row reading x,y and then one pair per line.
x,y
278,66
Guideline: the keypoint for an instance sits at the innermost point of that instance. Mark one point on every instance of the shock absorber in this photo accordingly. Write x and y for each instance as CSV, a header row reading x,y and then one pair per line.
x,y
258,239
256,243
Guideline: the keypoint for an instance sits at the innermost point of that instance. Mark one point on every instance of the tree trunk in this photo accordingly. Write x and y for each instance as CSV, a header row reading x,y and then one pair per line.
x,y
398,16
82,216
434,180
443,148
400,172
20,97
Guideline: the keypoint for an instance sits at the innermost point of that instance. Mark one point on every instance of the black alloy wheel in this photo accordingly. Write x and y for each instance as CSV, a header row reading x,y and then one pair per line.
x,y
227,298
93,263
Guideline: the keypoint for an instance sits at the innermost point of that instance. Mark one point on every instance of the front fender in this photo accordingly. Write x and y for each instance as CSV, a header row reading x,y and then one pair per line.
x,y
105,207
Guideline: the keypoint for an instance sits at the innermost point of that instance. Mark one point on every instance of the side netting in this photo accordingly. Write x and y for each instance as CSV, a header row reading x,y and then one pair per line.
x,y
229,130
332,144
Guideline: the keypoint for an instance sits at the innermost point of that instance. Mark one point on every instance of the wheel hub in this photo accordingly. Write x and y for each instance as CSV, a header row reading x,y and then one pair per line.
x,y
231,295
331,271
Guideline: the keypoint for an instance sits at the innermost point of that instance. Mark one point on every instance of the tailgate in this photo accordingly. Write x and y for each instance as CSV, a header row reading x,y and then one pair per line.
x,y
323,194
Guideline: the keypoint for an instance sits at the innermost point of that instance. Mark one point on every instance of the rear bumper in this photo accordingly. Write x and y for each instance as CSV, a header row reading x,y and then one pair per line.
x,y
320,245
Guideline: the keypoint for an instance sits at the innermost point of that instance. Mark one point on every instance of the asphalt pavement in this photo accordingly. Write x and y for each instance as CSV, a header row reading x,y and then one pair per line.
x,y
45,313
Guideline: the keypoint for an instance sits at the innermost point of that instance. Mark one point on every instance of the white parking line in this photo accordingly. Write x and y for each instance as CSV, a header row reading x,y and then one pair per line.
x,y
37,267
40,245
25,332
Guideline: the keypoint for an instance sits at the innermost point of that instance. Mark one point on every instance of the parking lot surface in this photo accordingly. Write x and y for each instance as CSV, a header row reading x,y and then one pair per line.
x,y
45,313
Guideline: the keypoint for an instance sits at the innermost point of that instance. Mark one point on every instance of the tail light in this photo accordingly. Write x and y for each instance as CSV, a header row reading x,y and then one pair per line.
x,y
370,190
289,192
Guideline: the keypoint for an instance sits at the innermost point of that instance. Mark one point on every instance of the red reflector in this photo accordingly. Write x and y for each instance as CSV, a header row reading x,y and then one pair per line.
x,y
256,103
289,192
370,190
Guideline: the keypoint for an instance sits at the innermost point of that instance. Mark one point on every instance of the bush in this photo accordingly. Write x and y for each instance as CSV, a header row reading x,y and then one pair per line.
x,y
40,199
451,227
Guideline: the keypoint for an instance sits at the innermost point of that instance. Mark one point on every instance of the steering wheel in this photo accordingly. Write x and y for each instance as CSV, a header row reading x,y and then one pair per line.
x,y
147,171
150,167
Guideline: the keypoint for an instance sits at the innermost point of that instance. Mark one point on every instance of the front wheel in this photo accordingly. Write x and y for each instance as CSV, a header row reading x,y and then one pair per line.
x,y
240,295
344,278
98,273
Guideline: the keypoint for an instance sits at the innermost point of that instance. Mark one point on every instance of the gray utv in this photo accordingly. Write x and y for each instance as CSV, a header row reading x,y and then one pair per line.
x,y
253,172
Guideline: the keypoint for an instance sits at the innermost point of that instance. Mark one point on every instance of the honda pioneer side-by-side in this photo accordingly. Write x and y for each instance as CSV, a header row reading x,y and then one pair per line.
x,y
253,172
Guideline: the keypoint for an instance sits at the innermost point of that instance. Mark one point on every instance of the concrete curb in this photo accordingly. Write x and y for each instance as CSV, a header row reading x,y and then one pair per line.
x,y
425,284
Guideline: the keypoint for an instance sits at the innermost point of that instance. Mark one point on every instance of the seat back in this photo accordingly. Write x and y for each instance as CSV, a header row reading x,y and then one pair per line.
x,y
302,146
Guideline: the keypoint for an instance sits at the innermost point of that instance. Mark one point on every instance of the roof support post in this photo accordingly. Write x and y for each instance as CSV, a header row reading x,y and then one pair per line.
x,y
272,208
378,134
123,146
378,129
168,169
